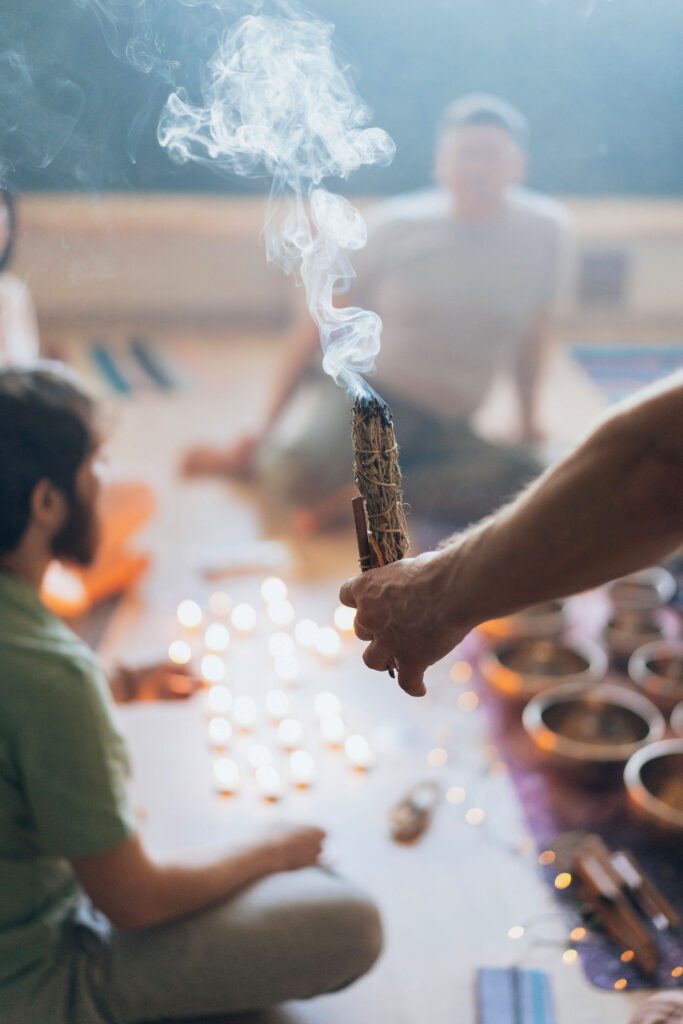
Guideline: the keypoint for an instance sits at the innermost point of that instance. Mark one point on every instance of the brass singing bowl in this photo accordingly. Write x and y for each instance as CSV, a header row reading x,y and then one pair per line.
x,y
676,719
654,782
644,590
627,630
657,670
522,668
598,727
547,619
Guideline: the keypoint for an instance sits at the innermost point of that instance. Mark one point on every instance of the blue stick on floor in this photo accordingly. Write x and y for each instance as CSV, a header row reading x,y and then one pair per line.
x,y
152,364
107,366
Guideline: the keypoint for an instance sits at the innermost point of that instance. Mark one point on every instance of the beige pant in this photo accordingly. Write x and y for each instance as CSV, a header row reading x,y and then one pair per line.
x,y
450,474
289,936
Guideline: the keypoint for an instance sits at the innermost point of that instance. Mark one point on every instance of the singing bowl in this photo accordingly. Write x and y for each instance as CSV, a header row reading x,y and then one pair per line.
x,y
522,668
654,782
647,589
628,630
547,619
595,728
676,719
657,670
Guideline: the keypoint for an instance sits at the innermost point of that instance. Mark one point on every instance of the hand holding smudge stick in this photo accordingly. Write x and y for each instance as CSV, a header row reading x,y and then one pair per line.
x,y
379,517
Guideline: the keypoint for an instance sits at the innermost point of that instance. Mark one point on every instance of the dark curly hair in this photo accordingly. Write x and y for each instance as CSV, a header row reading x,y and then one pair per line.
x,y
47,429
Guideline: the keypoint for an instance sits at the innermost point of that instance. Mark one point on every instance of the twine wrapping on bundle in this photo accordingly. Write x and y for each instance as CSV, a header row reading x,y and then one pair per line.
x,y
378,478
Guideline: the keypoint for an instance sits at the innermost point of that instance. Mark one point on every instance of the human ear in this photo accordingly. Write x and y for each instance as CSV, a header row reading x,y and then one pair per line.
x,y
48,506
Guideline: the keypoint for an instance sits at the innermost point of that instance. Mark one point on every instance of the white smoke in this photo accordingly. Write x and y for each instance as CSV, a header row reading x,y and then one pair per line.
x,y
276,100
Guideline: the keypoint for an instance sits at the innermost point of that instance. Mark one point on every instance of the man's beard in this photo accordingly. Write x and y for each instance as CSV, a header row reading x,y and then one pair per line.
x,y
78,538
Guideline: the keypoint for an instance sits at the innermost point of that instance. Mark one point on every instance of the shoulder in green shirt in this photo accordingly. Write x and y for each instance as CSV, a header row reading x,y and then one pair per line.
x,y
63,782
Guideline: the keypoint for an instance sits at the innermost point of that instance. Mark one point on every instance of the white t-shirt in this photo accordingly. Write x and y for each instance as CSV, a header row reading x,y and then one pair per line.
x,y
19,339
457,298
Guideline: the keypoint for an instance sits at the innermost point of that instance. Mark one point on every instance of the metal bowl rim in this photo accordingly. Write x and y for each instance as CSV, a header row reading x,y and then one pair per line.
x,y
634,784
591,651
532,719
664,584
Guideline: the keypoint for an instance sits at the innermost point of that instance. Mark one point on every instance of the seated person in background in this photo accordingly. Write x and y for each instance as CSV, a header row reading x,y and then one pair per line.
x,y
19,340
92,929
464,276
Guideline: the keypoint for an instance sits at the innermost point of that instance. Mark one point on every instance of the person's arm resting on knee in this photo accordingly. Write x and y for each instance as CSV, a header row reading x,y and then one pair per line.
x,y
612,506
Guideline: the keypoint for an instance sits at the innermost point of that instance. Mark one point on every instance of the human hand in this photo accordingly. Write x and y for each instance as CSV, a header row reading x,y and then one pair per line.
x,y
236,461
403,609
292,847
160,681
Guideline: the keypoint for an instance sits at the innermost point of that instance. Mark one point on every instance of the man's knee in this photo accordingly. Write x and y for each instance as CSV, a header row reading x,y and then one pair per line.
x,y
289,475
359,935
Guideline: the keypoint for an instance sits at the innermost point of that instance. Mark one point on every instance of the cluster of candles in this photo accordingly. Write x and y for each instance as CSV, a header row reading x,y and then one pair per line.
x,y
232,716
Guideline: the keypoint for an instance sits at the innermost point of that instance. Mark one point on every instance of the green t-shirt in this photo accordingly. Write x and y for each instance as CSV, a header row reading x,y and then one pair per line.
x,y
63,782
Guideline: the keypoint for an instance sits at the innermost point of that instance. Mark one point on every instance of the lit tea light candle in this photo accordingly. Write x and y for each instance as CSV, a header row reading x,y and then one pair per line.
x,y
287,668
456,794
243,618
437,757
344,618
220,604
227,775
213,668
189,614
358,752
302,768
461,672
269,782
468,701
217,637
281,613
328,643
273,590
220,732
259,755
281,645
516,932
290,731
333,730
277,704
245,712
306,632
475,816
179,652
219,699
327,703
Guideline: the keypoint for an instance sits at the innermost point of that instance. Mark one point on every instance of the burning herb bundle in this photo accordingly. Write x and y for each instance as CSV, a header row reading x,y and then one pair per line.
x,y
378,478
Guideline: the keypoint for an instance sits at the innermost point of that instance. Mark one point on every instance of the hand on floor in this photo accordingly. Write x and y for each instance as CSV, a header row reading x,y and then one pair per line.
x,y
236,461
161,681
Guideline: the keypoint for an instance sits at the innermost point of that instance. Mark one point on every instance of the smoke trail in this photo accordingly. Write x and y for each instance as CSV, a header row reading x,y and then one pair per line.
x,y
275,99
38,113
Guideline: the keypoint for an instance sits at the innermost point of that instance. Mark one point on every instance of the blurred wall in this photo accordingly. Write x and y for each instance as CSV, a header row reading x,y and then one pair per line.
x,y
198,260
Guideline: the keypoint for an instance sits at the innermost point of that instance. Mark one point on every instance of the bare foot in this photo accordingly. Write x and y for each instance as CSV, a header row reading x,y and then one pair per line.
x,y
236,462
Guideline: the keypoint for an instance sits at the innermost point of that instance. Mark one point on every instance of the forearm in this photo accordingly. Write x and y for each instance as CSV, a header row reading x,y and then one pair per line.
x,y
176,890
300,346
613,506
527,372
